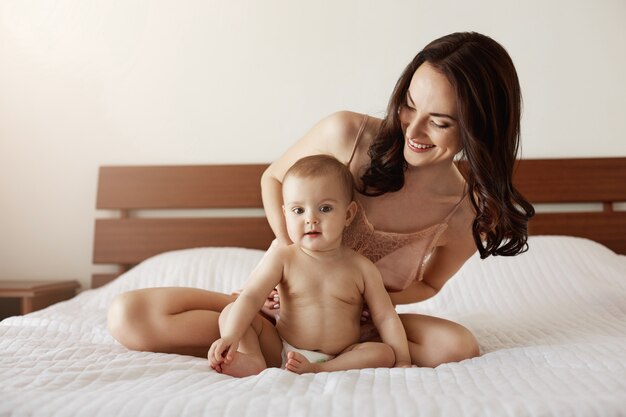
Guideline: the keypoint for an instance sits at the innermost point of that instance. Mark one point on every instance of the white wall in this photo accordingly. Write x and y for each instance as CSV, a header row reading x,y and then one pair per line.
x,y
85,83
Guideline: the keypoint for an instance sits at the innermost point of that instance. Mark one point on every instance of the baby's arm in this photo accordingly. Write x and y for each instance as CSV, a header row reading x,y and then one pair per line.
x,y
264,278
384,316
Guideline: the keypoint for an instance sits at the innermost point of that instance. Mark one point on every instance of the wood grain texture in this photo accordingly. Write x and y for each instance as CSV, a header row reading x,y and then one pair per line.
x,y
608,229
179,187
129,241
572,180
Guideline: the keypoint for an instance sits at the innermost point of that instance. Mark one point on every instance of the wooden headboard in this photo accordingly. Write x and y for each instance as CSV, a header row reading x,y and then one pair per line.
x,y
132,190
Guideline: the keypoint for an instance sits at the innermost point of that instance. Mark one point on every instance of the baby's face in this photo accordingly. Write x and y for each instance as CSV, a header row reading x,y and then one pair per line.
x,y
316,211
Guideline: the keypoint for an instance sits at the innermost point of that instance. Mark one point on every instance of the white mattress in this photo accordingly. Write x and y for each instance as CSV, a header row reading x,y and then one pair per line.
x,y
551,324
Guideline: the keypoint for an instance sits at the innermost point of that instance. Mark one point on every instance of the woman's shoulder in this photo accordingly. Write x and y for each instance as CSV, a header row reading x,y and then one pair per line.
x,y
333,135
343,126
342,121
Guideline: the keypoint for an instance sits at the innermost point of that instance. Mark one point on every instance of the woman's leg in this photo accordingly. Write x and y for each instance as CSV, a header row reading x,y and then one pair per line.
x,y
433,341
171,320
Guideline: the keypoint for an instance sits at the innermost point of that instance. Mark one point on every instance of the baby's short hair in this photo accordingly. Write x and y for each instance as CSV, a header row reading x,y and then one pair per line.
x,y
321,165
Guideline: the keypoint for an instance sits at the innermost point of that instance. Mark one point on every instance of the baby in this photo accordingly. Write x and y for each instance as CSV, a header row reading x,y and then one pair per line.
x,y
322,286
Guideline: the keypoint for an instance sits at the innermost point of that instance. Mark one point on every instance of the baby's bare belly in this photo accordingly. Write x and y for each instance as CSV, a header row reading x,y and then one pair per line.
x,y
329,330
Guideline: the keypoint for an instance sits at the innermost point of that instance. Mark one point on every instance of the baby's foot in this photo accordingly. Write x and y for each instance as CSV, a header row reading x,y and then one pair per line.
x,y
296,362
242,365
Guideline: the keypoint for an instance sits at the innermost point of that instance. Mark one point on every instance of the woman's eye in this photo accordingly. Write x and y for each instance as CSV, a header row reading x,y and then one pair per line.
x,y
297,210
407,106
326,209
439,126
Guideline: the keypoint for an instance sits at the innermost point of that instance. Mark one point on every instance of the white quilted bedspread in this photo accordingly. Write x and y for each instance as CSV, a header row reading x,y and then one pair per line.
x,y
551,324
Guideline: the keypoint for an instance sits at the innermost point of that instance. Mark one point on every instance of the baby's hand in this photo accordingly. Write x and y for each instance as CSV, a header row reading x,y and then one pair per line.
x,y
221,351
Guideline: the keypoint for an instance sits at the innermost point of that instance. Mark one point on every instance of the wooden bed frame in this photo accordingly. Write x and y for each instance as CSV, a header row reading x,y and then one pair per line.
x,y
131,190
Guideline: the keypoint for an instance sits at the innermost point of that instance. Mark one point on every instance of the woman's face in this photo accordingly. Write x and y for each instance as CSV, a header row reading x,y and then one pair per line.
x,y
429,119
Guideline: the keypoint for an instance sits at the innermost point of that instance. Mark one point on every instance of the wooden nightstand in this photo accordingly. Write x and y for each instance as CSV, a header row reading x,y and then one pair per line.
x,y
22,297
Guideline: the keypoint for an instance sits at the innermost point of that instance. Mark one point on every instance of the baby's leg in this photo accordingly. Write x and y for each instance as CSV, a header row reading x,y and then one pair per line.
x,y
249,358
358,356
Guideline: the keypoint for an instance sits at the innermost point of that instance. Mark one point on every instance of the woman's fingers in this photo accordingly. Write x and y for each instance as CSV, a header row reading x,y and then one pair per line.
x,y
273,300
365,314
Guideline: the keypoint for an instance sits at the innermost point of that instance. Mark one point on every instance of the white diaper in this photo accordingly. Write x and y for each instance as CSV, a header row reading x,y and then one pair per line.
x,y
312,356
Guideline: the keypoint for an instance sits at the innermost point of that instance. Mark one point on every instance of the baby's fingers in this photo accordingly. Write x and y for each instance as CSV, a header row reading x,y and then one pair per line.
x,y
215,353
230,354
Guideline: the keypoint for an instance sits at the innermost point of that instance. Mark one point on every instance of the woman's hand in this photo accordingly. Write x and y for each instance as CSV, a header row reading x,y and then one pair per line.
x,y
368,330
271,308
365,314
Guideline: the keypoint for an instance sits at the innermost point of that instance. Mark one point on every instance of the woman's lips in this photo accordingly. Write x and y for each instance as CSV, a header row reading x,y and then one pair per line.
x,y
419,147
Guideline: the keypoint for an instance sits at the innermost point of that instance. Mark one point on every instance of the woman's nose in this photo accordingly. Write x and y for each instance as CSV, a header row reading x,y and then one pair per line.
x,y
411,124
414,128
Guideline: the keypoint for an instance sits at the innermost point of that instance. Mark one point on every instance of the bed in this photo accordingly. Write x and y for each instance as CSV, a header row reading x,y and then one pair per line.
x,y
551,323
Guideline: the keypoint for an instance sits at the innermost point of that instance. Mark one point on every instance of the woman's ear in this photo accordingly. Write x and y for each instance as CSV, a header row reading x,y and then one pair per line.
x,y
350,212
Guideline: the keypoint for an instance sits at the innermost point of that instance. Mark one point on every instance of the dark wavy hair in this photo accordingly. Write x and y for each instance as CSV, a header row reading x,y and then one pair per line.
x,y
489,104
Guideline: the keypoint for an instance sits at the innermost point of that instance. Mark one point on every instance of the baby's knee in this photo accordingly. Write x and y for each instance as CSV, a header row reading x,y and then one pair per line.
x,y
385,355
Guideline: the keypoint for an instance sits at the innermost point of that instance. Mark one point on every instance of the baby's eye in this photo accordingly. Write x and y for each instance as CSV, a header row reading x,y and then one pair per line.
x,y
297,210
326,209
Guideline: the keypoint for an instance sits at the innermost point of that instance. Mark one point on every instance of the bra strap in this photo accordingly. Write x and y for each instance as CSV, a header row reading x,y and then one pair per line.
x,y
456,206
358,139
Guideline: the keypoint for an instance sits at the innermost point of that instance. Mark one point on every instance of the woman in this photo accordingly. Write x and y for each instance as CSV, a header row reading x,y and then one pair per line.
x,y
419,220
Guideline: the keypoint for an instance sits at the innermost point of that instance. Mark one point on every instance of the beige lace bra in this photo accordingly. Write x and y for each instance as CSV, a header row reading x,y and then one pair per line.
x,y
400,257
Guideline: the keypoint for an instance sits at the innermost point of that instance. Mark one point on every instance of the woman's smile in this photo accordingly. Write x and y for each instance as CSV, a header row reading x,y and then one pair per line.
x,y
419,147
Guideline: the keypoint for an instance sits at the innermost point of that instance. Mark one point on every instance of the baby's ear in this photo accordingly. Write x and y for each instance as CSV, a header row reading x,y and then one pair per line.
x,y
351,212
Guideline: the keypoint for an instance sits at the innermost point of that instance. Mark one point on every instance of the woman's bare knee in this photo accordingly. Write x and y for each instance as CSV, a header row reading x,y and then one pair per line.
x,y
463,345
127,320
224,314
434,341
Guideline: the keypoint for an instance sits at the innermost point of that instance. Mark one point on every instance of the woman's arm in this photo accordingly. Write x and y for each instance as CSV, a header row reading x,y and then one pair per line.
x,y
333,135
443,264
271,189
415,292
